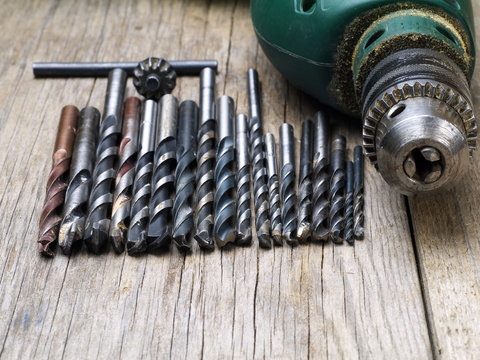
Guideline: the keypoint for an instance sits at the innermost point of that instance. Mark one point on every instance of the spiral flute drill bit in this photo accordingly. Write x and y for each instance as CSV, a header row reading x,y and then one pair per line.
x,y
273,190
257,155
163,179
304,210
349,236
101,197
57,183
185,174
206,161
358,192
337,188
244,213
139,212
125,175
80,183
321,178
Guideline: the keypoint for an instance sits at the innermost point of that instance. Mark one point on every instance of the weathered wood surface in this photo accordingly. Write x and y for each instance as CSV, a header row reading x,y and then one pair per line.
x,y
393,295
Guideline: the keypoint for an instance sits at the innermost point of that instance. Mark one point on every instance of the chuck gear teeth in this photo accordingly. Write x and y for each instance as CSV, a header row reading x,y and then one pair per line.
x,y
154,77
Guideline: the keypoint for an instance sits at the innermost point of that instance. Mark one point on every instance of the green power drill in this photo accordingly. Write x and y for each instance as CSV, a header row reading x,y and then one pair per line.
x,y
403,66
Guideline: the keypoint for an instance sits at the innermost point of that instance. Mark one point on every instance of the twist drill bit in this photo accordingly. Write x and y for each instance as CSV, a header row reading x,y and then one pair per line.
x,y
57,183
137,231
349,204
206,161
273,190
358,192
101,197
244,213
80,183
304,211
125,175
185,174
257,155
321,178
337,188
163,179
287,187
224,225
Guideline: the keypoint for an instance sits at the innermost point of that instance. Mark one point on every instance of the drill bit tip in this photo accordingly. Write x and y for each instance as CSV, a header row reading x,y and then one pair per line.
x,y
97,238
203,239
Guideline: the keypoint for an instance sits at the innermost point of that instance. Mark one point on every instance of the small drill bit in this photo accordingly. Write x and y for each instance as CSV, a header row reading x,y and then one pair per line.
x,y
358,192
137,231
185,174
349,238
304,211
259,171
125,175
321,178
163,180
78,191
273,190
101,196
57,183
206,141
337,188
224,225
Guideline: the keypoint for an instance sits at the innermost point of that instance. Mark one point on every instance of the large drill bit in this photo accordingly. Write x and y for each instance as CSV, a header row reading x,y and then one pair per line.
x,y
185,174
349,238
337,188
257,156
57,183
273,190
137,231
304,210
101,197
224,226
163,180
206,161
321,178
80,183
287,187
125,175
244,212
358,192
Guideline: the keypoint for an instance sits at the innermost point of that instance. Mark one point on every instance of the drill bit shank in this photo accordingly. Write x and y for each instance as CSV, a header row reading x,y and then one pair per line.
x,y
349,236
358,192
337,188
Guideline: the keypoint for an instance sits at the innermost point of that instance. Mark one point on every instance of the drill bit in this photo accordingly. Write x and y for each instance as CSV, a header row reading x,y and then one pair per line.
x,y
321,178
125,175
273,190
163,179
358,192
349,238
57,183
304,211
137,231
185,174
337,188
257,155
224,225
287,188
206,161
244,213
80,183
101,196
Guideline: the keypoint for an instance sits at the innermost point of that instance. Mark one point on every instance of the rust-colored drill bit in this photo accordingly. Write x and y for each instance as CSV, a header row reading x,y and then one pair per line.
x,y
57,181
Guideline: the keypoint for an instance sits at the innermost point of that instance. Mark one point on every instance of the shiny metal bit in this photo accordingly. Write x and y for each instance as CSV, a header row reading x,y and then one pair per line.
x,y
139,211
304,210
337,189
185,174
57,183
349,236
78,191
163,179
358,202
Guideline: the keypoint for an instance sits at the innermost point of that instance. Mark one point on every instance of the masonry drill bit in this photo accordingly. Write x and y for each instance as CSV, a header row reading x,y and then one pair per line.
x,y
163,179
304,210
321,178
349,236
185,174
337,188
273,190
57,183
80,183
358,192
125,175
259,171
139,212
101,196
206,144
